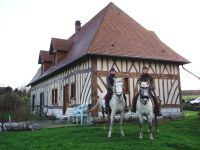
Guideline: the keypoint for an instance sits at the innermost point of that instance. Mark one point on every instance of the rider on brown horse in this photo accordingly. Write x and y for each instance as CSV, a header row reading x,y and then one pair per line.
x,y
146,77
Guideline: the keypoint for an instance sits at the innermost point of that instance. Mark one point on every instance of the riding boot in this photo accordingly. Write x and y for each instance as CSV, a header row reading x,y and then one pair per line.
x,y
157,107
134,102
126,107
107,100
106,106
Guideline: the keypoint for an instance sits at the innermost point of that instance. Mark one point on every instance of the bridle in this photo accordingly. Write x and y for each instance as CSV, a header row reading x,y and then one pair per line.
x,y
144,92
118,88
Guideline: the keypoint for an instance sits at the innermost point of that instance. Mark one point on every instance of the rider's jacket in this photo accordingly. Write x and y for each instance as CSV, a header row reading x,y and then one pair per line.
x,y
147,77
110,82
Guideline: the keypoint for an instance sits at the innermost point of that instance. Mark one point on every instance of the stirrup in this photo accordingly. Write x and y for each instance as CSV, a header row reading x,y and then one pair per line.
x,y
158,113
133,110
106,110
126,110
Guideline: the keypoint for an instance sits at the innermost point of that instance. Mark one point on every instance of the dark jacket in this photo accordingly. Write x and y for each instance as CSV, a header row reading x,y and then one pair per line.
x,y
147,77
110,82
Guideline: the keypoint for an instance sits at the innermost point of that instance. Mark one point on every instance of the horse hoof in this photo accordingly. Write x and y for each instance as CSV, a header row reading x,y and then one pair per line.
x,y
157,130
151,138
140,137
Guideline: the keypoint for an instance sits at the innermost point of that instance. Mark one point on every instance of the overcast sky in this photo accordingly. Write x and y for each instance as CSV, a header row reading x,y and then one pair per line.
x,y
26,27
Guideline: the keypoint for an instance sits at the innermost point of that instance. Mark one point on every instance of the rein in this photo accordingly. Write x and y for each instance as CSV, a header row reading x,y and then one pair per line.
x,y
144,102
116,94
144,95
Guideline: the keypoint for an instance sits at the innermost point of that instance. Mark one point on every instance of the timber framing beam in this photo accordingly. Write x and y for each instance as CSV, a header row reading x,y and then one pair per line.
x,y
94,81
128,74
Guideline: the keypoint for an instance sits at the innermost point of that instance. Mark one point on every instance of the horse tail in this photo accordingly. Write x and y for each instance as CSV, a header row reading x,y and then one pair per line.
x,y
96,106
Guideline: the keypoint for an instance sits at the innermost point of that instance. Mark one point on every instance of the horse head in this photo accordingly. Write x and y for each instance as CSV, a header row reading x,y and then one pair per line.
x,y
118,86
144,91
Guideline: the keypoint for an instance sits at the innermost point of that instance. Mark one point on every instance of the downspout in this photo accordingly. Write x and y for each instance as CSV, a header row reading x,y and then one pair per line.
x,y
190,72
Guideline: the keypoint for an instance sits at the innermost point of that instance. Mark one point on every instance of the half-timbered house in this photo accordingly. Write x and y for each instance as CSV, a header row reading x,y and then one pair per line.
x,y
74,70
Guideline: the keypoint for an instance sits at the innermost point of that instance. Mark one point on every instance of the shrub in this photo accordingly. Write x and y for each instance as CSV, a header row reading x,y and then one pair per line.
x,y
188,98
52,117
187,106
14,108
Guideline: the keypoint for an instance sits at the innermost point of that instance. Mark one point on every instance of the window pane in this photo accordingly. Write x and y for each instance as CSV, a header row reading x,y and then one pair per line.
x,y
52,96
33,102
73,90
56,96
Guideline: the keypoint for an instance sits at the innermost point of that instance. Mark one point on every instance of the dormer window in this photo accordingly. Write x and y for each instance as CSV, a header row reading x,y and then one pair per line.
x,y
45,60
59,48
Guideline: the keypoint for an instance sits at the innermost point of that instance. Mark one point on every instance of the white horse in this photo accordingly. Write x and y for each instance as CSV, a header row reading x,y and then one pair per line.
x,y
144,107
117,104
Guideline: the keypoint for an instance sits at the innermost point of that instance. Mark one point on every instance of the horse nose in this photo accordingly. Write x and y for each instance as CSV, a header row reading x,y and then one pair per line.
x,y
146,93
119,94
145,97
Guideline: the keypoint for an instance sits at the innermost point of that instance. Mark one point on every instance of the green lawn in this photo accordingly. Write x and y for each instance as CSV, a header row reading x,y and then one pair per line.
x,y
174,135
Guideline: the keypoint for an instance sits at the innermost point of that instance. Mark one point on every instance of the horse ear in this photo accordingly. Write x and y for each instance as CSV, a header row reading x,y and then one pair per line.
x,y
139,82
148,82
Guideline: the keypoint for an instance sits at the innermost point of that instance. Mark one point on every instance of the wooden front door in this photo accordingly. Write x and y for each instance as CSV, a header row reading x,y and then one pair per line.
x,y
65,98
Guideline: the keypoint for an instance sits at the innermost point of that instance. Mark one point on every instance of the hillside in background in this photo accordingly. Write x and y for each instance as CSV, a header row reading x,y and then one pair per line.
x,y
190,92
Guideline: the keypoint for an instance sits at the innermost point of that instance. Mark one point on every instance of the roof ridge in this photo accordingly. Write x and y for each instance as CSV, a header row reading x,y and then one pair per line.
x,y
106,10
44,50
58,38
113,7
74,34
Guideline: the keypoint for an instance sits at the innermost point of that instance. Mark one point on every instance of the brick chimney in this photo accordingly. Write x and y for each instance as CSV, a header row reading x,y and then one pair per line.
x,y
77,25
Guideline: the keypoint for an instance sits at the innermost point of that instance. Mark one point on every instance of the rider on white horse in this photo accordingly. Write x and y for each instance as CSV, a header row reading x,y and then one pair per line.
x,y
108,96
144,78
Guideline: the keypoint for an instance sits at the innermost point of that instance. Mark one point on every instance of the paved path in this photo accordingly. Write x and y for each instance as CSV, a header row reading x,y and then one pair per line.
x,y
51,124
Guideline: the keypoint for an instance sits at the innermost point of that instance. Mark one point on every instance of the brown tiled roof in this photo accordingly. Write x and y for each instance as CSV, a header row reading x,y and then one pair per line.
x,y
120,35
112,33
36,77
60,44
44,57
2,88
